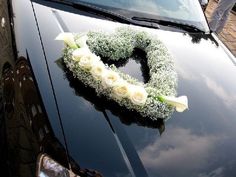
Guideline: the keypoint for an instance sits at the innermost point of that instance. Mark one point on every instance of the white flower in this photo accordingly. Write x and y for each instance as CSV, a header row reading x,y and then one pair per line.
x,y
98,69
81,42
80,52
121,89
110,78
87,61
96,59
180,103
138,95
68,38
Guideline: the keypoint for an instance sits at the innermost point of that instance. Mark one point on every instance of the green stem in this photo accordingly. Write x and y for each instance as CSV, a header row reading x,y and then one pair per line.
x,y
159,98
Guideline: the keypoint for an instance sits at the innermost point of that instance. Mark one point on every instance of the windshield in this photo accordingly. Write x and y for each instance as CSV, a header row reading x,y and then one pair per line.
x,y
186,11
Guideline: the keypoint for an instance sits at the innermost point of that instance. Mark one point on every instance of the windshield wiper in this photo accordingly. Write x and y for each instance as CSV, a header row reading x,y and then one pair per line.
x,y
184,26
105,13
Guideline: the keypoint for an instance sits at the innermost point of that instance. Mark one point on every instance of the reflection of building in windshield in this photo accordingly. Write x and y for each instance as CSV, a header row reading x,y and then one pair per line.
x,y
175,9
179,10
173,5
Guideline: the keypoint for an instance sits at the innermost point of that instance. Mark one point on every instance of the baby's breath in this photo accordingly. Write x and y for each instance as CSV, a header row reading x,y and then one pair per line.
x,y
120,45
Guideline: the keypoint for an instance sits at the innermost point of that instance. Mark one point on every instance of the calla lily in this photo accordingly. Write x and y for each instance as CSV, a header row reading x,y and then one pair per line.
x,y
68,38
81,41
180,103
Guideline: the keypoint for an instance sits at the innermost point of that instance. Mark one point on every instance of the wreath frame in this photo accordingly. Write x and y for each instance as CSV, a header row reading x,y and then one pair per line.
x,y
119,46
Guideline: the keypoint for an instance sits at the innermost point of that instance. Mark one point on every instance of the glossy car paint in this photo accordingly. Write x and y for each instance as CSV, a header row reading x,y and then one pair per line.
x,y
27,131
102,136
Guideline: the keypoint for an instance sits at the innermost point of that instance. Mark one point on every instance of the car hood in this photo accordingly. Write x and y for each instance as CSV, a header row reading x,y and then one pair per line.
x,y
197,142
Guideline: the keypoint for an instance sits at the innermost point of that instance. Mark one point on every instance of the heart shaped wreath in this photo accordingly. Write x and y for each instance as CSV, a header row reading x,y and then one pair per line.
x,y
154,99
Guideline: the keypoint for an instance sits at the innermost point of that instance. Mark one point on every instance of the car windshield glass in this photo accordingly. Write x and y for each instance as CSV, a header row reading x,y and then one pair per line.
x,y
186,11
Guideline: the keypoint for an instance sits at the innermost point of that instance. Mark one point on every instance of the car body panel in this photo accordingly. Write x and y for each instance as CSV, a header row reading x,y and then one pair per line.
x,y
193,138
28,44
30,129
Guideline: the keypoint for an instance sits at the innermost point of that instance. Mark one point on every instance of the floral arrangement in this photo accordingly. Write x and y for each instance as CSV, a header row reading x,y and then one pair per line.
x,y
155,99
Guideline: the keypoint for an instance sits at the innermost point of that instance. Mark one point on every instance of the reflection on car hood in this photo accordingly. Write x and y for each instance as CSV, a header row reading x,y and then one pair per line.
x,y
198,142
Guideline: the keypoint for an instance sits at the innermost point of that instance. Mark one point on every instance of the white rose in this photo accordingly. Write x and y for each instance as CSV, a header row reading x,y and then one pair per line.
x,y
68,38
110,78
180,103
82,41
98,69
87,61
121,89
95,58
80,52
138,95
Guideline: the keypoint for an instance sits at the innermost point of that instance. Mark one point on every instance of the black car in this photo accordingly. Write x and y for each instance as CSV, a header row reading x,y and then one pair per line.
x,y
51,124
234,8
